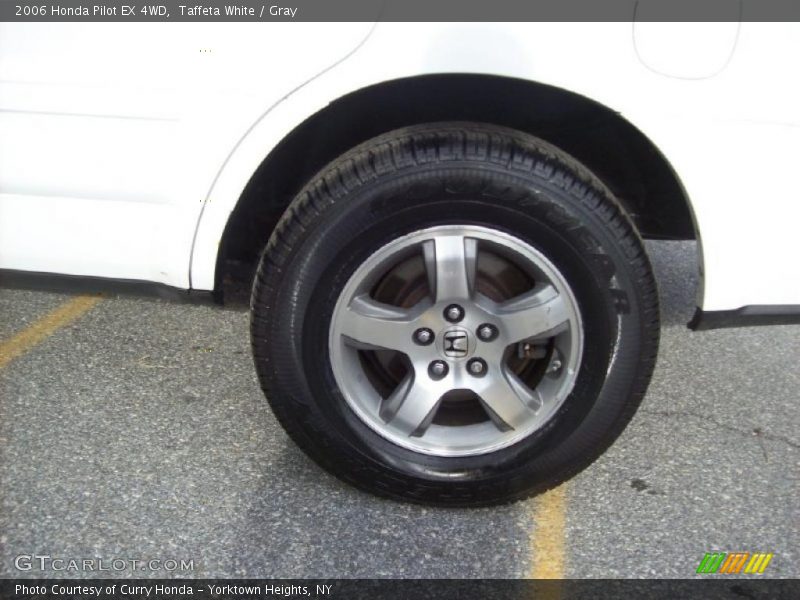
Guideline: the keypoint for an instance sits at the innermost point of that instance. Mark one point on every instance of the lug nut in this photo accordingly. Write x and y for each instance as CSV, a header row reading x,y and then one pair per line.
x,y
438,369
477,367
454,313
423,336
487,332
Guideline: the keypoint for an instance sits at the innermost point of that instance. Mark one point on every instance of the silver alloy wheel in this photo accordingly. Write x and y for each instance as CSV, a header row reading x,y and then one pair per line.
x,y
497,369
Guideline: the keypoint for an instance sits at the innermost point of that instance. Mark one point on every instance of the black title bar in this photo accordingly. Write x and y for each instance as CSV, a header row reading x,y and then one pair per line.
x,y
401,10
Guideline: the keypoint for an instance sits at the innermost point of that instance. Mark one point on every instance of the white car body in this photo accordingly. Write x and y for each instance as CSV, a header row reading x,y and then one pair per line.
x,y
124,148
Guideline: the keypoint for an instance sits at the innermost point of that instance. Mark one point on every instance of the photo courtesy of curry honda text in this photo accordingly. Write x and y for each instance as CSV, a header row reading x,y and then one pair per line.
x,y
441,224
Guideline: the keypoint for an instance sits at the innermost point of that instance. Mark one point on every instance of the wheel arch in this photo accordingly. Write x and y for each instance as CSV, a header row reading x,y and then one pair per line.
x,y
613,148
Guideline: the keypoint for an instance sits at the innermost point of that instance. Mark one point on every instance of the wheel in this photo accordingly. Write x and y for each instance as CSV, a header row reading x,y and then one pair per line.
x,y
454,313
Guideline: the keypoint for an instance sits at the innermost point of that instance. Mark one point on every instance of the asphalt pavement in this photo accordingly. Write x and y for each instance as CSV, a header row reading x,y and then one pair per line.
x,y
138,431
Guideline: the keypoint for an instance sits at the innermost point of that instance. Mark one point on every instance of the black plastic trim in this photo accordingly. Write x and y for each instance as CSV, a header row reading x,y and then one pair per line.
x,y
746,316
55,282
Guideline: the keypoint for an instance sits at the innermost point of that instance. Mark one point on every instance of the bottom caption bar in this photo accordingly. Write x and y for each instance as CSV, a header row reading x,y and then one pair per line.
x,y
400,589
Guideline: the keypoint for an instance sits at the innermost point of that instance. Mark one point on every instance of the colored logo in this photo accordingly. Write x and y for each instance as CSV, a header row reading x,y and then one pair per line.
x,y
732,563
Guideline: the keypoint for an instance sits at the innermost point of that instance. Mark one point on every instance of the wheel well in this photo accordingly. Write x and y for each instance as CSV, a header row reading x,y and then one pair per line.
x,y
618,153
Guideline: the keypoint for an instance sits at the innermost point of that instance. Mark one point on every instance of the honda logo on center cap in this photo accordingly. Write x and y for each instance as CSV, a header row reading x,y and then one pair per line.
x,y
456,343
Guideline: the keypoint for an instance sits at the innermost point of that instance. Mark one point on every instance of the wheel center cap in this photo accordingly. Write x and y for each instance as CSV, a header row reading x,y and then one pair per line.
x,y
456,343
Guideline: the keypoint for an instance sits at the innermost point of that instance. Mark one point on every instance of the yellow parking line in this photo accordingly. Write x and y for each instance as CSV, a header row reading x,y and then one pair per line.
x,y
548,536
44,327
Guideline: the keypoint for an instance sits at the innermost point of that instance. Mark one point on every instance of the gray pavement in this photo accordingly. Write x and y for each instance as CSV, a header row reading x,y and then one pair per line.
x,y
139,431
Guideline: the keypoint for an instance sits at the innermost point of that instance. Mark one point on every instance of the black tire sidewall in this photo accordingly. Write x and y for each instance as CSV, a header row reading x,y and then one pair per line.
x,y
349,230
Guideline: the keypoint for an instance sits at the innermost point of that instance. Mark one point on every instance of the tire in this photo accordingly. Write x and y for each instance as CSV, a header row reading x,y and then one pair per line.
x,y
521,215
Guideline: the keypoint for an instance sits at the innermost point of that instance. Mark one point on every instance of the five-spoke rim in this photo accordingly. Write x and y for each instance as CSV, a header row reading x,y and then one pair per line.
x,y
456,340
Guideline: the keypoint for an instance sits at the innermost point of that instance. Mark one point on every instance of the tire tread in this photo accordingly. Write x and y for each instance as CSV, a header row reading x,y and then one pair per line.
x,y
409,148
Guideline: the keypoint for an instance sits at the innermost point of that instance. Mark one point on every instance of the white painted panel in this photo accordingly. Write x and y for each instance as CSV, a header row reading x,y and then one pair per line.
x,y
110,158
80,236
122,128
